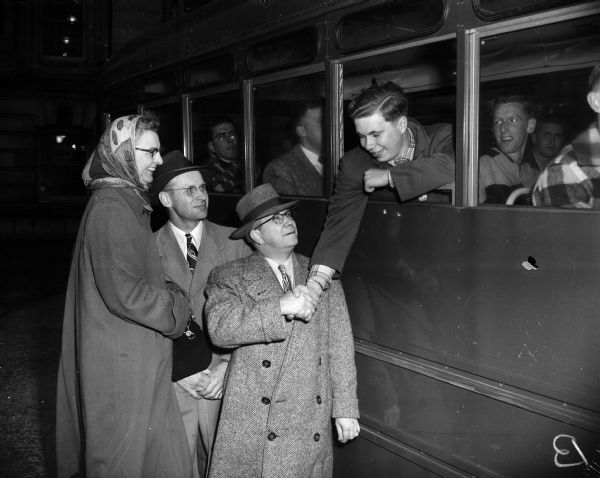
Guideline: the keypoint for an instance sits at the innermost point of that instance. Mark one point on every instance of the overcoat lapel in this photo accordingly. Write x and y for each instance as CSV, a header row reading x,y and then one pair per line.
x,y
174,264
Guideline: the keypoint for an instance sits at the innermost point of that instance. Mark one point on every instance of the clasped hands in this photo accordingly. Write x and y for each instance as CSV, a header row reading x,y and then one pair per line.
x,y
300,303
207,384
375,178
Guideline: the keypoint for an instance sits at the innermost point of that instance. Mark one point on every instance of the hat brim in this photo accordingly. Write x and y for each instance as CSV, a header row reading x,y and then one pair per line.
x,y
158,184
241,231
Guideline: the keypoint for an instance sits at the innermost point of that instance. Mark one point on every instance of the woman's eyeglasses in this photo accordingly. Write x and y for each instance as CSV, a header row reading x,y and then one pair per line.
x,y
152,151
278,218
191,191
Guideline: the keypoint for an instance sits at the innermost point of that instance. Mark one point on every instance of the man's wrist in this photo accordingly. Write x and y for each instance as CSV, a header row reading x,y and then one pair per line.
x,y
390,180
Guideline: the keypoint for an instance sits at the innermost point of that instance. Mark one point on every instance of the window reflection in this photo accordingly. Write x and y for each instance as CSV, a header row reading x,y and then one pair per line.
x,y
217,141
289,135
171,129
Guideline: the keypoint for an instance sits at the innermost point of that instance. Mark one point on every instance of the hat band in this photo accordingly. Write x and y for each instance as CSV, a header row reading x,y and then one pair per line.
x,y
263,209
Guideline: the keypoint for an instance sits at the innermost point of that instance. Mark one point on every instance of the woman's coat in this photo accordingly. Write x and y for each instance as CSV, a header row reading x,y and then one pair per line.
x,y
117,415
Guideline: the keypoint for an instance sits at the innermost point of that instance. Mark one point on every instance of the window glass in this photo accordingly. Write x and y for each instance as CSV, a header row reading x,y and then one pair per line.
x,y
218,142
495,9
291,49
532,103
157,87
171,128
210,72
426,74
388,22
289,119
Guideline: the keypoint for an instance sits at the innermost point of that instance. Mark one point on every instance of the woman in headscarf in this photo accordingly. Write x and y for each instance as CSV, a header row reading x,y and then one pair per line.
x,y
117,415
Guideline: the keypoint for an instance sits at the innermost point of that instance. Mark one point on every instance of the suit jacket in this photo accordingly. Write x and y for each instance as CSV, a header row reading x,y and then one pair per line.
x,y
215,249
286,379
293,174
432,167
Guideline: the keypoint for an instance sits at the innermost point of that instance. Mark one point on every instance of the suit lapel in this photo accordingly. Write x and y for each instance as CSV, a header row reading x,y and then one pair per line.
x,y
174,264
208,257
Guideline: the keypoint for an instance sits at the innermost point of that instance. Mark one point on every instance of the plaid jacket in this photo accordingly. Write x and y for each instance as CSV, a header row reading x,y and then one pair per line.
x,y
572,179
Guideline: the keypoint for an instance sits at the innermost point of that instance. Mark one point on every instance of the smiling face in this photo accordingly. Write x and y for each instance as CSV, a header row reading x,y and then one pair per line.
x,y
145,161
271,237
384,140
511,127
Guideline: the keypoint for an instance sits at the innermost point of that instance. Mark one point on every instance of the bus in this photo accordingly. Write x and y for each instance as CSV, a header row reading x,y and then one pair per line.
x,y
475,324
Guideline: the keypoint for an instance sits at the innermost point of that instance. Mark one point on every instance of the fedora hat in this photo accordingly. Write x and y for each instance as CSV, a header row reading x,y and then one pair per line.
x,y
262,201
174,164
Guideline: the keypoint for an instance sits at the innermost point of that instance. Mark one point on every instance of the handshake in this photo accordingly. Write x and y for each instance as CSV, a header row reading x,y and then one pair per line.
x,y
300,303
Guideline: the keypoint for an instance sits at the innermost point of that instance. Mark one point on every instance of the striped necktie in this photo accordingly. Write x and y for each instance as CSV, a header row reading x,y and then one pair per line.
x,y
287,283
192,252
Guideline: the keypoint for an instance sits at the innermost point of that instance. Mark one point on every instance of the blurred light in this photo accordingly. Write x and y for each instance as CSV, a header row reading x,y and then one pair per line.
x,y
65,53
73,146
60,138
71,18
66,40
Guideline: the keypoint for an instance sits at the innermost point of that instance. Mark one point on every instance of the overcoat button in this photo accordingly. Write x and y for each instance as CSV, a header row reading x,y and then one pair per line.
x,y
265,400
319,399
271,436
266,364
317,437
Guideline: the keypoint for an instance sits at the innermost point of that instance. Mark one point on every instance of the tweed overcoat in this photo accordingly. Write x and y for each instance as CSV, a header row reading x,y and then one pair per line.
x,y
286,380
114,391
292,174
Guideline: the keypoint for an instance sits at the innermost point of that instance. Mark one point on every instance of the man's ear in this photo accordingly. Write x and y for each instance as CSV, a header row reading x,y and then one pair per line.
x,y
257,236
300,131
211,147
593,99
165,199
531,122
402,124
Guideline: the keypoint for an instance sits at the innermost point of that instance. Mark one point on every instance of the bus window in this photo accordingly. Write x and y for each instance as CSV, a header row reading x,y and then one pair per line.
x,y
217,140
424,77
532,103
289,135
171,129
496,9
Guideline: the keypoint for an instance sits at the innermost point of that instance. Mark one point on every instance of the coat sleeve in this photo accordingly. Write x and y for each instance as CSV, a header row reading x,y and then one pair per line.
x,y
344,215
234,318
342,366
119,255
434,168
276,173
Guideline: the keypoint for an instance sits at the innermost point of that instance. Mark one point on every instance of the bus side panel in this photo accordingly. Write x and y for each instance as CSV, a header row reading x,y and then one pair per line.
x,y
461,288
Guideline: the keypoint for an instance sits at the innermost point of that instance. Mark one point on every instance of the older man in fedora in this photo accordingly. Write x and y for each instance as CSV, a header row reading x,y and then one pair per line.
x,y
190,246
292,367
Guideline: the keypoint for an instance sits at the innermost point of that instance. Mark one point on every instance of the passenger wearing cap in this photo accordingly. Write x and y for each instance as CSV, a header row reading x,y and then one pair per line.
x,y
198,367
292,367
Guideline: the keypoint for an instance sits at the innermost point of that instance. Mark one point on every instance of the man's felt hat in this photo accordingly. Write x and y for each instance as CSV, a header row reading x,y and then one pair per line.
x,y
262,201
174,164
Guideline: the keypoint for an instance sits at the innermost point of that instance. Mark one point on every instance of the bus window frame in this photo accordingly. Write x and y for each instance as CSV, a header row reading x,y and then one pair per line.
x,y
204,93
249,111
479,34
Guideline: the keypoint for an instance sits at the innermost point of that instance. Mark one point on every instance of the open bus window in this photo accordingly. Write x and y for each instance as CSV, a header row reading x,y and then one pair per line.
x,y
427,75
218,142
289,119
170,130
532,104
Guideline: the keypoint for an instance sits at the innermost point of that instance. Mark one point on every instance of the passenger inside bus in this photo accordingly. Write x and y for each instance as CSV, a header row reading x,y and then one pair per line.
x,y
299,171
224,158
546,141
398,159
573,178
503,169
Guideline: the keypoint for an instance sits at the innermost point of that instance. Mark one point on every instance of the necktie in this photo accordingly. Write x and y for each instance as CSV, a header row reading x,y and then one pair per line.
x,y
192,252
287,283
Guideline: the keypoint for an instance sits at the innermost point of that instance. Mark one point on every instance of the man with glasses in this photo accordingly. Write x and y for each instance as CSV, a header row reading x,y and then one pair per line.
x,y
503,169
224,161
292,367
190,246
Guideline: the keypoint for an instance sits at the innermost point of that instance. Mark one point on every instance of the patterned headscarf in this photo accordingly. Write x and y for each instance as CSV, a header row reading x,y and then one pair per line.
x,y
112,164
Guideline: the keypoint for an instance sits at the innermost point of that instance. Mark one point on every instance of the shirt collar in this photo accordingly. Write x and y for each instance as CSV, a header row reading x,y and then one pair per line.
x,y
408,156
196,234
